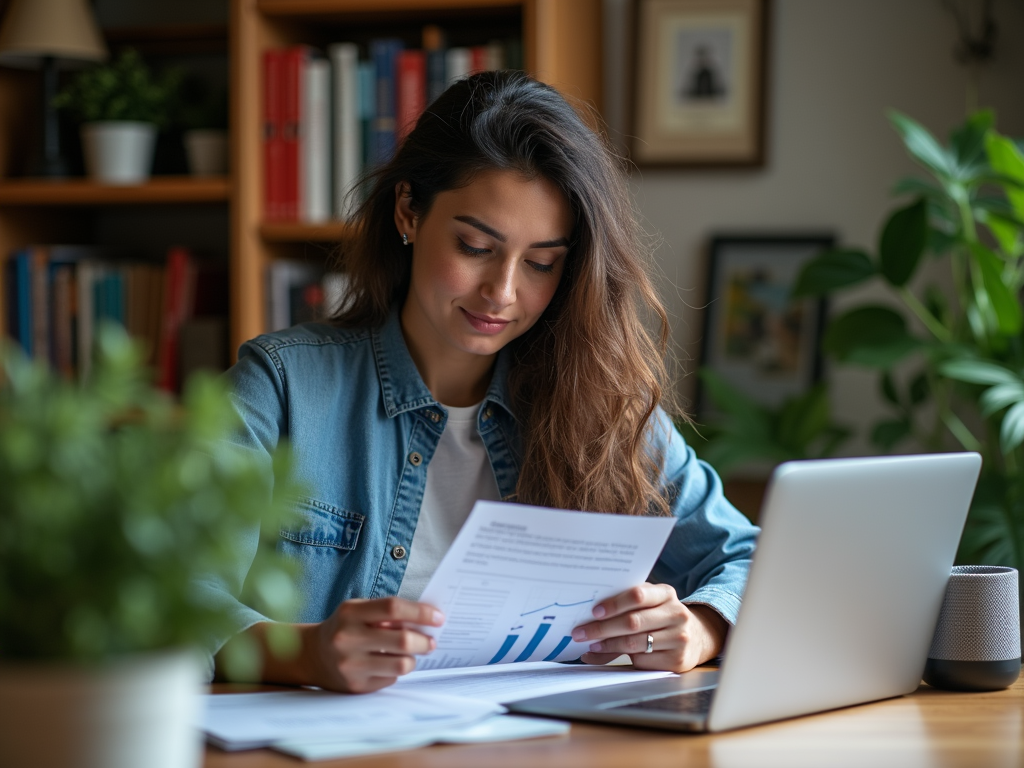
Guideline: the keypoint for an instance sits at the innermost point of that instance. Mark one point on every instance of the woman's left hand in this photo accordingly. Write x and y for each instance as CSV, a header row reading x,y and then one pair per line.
x,y
684,635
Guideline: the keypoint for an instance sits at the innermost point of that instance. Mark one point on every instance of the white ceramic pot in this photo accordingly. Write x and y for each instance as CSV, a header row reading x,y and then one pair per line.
x,y
207,152
119,152
138,711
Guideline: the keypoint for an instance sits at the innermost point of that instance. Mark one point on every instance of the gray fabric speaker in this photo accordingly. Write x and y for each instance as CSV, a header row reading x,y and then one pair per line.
x,y
977,640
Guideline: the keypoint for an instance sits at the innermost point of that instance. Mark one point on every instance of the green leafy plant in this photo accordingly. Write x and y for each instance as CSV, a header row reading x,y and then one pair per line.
x,y
960,353
124,89
115,502
743,431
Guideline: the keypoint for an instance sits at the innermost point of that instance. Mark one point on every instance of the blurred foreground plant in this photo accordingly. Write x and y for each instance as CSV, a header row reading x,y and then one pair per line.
x,y
115,503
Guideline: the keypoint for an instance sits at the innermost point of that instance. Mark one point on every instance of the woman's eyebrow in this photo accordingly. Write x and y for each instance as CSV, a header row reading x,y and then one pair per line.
x,y
488,230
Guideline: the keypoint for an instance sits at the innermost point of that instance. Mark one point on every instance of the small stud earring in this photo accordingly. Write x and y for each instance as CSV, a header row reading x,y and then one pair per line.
x,y
405,239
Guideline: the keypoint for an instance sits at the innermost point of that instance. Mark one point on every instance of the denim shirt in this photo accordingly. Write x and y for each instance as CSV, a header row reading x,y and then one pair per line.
x,y
363,427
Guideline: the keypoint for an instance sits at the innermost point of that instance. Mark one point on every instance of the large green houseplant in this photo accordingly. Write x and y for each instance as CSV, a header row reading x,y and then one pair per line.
x,y
948,353
115,504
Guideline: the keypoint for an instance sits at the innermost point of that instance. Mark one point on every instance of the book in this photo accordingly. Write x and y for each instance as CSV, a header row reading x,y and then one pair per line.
x,y
288,300
411,92
177,307
347,128
19,299
495,55
314,140
457,64
273,140
434,47
479,59
384,54
367,109
437,79
39,270
203,345
292,187
63,320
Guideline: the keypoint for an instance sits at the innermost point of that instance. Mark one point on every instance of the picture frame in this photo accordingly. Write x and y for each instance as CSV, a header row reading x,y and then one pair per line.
x,y
698,84
756,338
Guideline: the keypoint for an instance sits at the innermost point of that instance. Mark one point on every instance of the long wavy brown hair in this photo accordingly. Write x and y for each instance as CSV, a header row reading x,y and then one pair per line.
x,y
587,377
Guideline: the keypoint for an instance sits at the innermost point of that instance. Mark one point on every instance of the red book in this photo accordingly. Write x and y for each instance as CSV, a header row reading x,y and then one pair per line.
x,y
178,297
273,147
293,67
412,90
479,59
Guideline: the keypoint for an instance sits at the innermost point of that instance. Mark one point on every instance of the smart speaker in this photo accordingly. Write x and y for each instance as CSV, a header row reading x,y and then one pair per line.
x,y
977,640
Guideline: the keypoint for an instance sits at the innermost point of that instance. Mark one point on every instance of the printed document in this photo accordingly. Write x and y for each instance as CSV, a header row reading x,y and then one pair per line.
x,y
518,579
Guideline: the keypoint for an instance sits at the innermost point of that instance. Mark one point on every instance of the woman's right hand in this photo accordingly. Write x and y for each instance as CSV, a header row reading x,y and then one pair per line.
x,y
366,645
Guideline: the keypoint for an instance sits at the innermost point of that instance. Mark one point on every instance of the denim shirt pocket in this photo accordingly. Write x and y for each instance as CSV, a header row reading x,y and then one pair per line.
x,y
322,525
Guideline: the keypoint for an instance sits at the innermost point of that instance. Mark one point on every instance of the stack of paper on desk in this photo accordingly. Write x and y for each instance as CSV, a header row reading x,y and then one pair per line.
x,y
252,720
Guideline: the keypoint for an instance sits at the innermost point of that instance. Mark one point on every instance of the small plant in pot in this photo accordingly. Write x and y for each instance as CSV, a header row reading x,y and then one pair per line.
x,y
121,105
202,113
116,505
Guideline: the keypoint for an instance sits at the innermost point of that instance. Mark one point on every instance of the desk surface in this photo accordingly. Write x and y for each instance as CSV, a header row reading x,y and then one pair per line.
x,y
926,728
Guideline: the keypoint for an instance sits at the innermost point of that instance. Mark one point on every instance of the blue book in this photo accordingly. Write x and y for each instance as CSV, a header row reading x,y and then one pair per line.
x,y
21,302
367,108
437,80
384,54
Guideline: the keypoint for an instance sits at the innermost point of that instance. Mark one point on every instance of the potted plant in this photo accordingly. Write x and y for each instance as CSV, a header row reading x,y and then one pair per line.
x,y
115,503
121,105
202,113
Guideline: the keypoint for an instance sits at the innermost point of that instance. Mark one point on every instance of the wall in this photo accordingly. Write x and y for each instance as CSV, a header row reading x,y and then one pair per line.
x,y
835,66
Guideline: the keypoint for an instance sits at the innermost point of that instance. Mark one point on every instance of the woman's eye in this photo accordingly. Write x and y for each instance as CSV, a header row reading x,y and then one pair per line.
x,y
541,267
470,250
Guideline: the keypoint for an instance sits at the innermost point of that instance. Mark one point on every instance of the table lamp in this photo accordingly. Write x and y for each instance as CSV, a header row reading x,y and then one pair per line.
x,y
42,33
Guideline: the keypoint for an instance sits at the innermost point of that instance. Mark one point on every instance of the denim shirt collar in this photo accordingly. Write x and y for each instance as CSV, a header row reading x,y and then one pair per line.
x,y
400,379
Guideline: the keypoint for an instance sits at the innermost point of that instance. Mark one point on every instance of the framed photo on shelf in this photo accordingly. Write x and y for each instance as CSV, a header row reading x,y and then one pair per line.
x,y
698,82
758,338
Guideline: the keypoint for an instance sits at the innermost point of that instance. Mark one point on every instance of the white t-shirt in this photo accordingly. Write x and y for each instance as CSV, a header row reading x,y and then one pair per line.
x,y
458,475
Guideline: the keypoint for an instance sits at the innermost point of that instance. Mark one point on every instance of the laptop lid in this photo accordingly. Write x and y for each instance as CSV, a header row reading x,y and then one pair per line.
x,y
846,584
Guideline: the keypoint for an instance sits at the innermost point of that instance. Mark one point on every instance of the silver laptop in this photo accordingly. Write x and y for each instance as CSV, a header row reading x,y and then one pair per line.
x,y
843,597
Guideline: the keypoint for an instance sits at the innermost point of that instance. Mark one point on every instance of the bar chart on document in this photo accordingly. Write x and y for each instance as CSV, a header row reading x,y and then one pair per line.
x,y
536,628
518,579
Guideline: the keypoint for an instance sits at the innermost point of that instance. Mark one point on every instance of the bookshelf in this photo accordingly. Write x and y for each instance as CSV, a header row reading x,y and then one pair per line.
x,y
561,45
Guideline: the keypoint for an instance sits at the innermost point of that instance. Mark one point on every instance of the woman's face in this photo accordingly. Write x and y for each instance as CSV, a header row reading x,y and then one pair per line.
x,y
487,259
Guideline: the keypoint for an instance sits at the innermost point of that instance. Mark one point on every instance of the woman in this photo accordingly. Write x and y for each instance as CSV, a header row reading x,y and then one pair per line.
x,y
494,347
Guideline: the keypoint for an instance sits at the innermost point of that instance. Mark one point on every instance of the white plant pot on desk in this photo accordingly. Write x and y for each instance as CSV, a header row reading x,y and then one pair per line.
x,y
119,152
134,712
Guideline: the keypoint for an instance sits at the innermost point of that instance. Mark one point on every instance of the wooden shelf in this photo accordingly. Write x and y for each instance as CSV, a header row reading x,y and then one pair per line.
x,y
159,189
335,7
300,232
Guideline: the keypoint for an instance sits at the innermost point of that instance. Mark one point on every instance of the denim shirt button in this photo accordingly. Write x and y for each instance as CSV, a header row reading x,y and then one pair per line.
x,y
415,459
487,414
398,552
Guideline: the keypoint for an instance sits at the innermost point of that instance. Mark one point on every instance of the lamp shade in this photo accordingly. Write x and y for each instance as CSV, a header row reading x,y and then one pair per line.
x,y
35,29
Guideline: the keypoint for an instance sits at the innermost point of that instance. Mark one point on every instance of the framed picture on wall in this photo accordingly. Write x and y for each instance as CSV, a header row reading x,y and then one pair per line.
x,y
758,338
698,82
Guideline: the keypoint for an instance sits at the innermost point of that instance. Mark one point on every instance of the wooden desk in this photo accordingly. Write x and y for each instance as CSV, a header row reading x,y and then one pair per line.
x,y
927,728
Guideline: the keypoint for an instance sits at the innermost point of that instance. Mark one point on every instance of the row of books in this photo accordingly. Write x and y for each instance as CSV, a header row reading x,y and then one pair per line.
x,y
56,295
299,292
326,119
